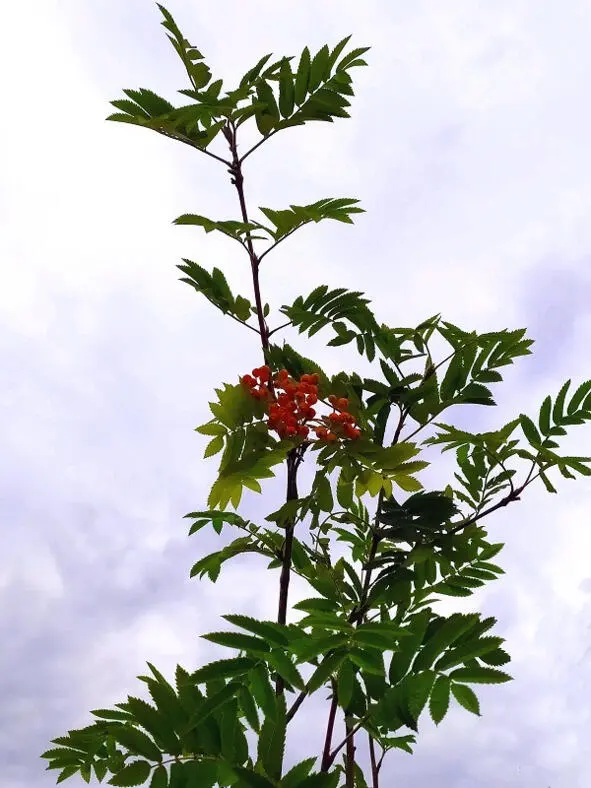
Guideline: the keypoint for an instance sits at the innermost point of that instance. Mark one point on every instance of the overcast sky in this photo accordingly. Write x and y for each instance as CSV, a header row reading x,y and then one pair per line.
x,y
469,148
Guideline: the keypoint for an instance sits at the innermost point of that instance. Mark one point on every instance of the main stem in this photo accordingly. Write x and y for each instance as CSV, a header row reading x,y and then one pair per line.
x,y
295,455
235,171
356,617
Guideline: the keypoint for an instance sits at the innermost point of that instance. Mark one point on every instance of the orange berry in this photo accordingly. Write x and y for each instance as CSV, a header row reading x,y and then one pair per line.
x,y
330,436
343,403
333,399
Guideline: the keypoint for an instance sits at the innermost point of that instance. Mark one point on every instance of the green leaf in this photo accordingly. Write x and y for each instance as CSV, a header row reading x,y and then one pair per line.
x,y
468,650
134,773
262,690
439,699
544,418
320,780
345,683
269,630
223,669
136,742
453,379
159,777
212,703
329,665
324,492
282,663
239,641
214,446
204,774
578,397
251,779
466,698
319,68
157,725
294,777
529,429
286,89
558,410
271,745
302,77
480,675
497,657
451,629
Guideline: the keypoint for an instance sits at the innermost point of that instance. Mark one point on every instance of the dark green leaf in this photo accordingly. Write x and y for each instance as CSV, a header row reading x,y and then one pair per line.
x,y
136,742
223,669
302,77
293,778
480,675
159,778
466,698
238,641
286,89
439,699
544,418
558,409
578,397
134,773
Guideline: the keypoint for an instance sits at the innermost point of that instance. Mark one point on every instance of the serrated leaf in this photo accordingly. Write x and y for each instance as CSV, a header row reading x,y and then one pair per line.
x,y
210,704
466,697
214,446
286,89
578,397
329,665
251,779
302,77
480,675
136,742
282,663
159,778
294,777
450,630
439,699
558,409
468,650
223,669
134,773
345,683
529,429
544,417
268,630
239,641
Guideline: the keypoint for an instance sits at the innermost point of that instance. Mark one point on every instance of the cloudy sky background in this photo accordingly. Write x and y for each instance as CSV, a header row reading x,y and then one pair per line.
x,y
469,148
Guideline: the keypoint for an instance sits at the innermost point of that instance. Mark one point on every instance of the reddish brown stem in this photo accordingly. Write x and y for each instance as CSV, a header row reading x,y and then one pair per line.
x,y
375,769
349,758
293,462
295,456
238,181
326,756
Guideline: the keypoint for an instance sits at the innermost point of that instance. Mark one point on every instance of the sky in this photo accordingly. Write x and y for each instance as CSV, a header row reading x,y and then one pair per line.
x,y
468,147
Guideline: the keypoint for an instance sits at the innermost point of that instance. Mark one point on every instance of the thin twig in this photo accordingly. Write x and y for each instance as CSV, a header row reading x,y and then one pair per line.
x,y
257,145
284,325
193,145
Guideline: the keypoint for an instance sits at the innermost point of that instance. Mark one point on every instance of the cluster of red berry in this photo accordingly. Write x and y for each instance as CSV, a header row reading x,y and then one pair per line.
x,y
290,410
